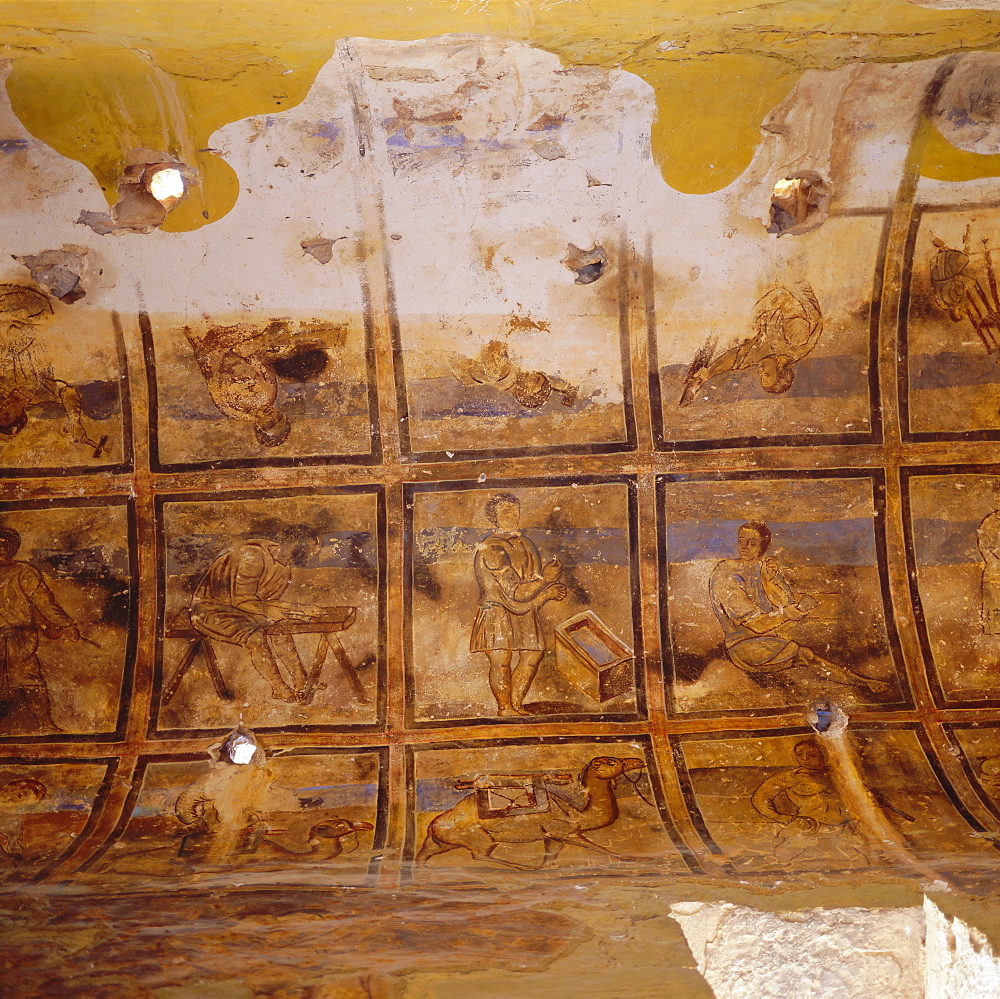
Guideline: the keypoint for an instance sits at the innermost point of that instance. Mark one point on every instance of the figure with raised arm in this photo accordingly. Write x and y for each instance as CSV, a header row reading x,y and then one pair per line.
x,y
513,585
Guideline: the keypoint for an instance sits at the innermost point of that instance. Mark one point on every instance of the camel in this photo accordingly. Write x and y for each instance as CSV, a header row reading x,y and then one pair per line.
x,y
560,825
322,843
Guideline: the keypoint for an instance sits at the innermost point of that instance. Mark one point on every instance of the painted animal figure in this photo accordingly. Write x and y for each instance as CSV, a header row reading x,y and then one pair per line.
x,y
322,843
560,825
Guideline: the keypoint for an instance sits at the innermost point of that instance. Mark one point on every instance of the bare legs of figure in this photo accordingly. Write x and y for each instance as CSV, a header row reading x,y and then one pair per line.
x,y
522,677
284,645
500,680
826,670
510,687
262,655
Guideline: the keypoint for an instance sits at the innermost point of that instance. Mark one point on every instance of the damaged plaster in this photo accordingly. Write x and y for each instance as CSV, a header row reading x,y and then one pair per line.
x,y
59,272
138,209
458,514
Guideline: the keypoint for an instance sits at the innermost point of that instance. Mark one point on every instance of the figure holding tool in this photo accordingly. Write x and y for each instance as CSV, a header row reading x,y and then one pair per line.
x,y
756,608
238,601
239,596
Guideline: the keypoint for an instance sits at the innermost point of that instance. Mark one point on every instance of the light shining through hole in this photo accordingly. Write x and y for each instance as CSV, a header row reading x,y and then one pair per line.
x,y
782,188
166,184
240,749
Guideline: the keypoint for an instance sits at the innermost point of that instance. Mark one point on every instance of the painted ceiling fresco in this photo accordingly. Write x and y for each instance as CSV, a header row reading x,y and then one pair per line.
x,y
464,500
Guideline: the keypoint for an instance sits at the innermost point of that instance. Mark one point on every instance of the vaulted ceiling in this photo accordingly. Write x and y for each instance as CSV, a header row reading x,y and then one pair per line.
x,y
463,450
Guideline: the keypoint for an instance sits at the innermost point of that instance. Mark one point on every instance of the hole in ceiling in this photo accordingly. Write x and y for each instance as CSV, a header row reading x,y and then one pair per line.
x,y
167,185
239,747
799,203
151,185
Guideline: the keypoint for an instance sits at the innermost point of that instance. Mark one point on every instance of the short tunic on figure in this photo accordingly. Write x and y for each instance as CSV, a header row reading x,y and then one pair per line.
x,y
505,620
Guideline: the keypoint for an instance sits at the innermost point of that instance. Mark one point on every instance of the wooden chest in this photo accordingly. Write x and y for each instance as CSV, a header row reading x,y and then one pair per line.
x,y
592,658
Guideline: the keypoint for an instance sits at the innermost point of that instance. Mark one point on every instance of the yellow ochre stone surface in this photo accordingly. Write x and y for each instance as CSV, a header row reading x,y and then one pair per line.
x,y
94,79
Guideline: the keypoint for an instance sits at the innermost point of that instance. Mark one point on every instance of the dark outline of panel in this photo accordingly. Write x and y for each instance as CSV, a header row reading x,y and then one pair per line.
x,y
375,489
132,631
126,465
144,761
932,761
371,457
907,435
409,846
991,805
110,764
611,447
871,436
412,489
906,474
877,478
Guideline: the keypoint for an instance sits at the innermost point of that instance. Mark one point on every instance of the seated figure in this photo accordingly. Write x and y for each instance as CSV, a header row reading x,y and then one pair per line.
x,y
755,605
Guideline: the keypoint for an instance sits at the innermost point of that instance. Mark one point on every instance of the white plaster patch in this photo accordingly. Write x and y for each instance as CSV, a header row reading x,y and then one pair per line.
x,y
958,4
849,953
960,961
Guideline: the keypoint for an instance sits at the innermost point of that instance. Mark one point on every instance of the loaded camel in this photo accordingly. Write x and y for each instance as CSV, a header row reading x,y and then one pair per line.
x,y
557,826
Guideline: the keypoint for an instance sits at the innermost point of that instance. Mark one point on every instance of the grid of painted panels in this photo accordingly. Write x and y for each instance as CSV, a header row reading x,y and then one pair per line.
x,y
883,523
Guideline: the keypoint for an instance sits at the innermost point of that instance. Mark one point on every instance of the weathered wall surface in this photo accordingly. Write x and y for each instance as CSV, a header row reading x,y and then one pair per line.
x,y
842,952
380,459
530,513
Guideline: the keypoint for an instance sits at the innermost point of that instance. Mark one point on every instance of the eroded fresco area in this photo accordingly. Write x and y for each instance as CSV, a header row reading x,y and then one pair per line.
x,y
504,223
318,812
466,504
70,611
254,368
